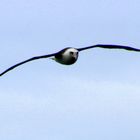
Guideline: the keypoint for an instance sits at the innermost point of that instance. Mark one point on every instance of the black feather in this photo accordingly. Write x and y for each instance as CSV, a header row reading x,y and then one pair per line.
x,y
107,46
23,62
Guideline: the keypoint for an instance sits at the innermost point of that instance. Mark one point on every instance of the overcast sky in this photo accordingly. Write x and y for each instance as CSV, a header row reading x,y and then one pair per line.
x,y
97,98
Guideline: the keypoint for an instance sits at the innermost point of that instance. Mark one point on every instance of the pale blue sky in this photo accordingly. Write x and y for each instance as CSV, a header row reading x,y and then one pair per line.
x,y
98,98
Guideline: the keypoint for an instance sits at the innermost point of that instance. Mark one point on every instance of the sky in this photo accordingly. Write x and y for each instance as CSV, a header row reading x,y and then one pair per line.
x,y
97,98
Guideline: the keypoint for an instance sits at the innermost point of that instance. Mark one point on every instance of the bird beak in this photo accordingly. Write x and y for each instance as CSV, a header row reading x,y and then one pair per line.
x,y
75,55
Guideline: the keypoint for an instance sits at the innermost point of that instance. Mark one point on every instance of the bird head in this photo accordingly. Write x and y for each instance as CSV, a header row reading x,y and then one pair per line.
x,y
67,56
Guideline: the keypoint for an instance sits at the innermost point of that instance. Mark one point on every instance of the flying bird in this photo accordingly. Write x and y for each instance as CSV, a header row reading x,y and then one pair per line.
x,y
68,56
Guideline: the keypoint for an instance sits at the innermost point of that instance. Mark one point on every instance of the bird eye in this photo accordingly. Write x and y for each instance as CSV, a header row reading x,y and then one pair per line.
x,y
71,53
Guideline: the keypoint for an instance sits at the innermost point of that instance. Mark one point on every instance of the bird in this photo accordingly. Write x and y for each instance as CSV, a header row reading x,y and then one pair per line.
x,y
69,55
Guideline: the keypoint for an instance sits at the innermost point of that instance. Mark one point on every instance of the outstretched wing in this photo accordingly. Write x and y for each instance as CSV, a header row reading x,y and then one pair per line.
x,y
106,46
28,60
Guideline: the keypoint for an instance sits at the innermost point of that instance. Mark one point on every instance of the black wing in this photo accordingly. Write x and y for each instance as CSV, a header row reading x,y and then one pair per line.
x,y
110,47
28,60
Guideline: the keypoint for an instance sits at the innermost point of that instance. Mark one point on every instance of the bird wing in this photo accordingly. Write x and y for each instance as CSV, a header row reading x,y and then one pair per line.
x,y
28,60
106,46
